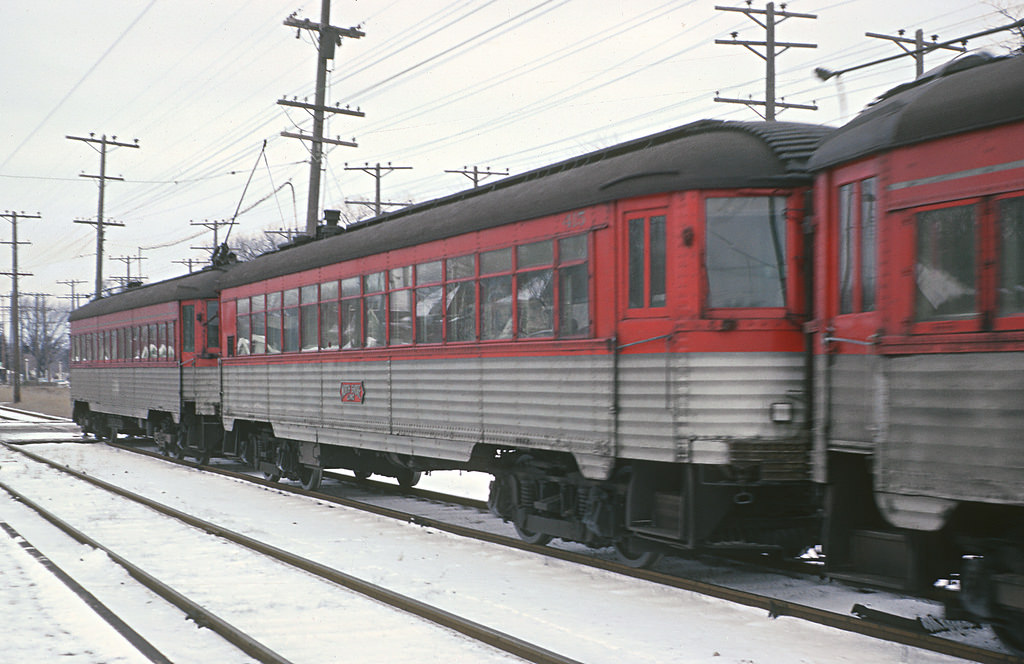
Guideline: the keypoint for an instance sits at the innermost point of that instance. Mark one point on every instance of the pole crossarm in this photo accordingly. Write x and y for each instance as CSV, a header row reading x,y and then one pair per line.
x,y
327,109
771,49
476,174
330,37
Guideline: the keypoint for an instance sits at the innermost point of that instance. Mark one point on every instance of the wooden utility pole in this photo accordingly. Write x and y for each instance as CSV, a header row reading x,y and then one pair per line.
x,y
74,296
377,172
920,47
189,262
214,226
770,45
15,315
477,175
103,142
330,37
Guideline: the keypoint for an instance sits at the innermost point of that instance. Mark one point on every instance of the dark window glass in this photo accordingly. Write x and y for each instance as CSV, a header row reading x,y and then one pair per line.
x,y
329,290
945,270
847,243
329,324
746,251
461,267
309,327
1011,256
242,331
535,303
637,261
572,248
373,283
496,261
868,244
351,323
274,331
496,308
535,254
375,318
400,317
188,327
428,273
350,287
460,311
170,341
657,268
429,314
259,334
213,324
573,301
242,306
291,330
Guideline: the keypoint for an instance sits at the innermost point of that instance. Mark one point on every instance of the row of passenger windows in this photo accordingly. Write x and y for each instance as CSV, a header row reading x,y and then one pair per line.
x,y
535,290
135,343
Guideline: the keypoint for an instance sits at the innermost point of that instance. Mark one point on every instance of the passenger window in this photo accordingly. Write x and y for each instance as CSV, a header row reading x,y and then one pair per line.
x,y
746,251
945,270
1011,258
646,242
188,327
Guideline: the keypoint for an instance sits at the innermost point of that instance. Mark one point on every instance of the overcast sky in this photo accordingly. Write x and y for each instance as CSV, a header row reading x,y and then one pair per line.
x,y
505,84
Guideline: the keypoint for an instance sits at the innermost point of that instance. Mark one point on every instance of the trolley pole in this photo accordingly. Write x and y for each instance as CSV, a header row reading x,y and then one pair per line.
x,y
15,315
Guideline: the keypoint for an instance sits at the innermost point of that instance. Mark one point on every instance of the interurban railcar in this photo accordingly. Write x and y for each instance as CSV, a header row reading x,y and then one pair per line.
x,y
145,361
617,338
919,336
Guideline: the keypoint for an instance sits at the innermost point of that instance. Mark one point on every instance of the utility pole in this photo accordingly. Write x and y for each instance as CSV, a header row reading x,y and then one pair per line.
x,y
127,260
74,296
330,37
920,47
103,142
212,225
477,175
771,19
189,262
15,316
377,172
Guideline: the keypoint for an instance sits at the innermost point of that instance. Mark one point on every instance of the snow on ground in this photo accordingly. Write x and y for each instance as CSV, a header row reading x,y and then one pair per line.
x,y
587,614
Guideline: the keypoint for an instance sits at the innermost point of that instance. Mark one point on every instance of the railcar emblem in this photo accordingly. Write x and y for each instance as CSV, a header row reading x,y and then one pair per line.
x,y
352,392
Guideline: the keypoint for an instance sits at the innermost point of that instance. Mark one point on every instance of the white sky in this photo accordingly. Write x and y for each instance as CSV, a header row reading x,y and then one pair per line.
x,y
506,84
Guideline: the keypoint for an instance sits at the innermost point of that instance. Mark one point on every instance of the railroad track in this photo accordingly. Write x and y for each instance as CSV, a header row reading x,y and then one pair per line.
x,y
906,632
296,579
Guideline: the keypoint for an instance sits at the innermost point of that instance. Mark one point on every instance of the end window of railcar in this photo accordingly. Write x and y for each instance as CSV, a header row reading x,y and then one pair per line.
x,y
188,328
858,246
646,242
745,252
1011,258
213,324
945,272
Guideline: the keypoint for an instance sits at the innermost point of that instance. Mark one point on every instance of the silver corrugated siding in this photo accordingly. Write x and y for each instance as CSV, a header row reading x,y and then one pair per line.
x,y
127,391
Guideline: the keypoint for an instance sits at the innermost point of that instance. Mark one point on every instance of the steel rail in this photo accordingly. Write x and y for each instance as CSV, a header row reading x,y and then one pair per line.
x,y
194,611
139,642
774,607
474,630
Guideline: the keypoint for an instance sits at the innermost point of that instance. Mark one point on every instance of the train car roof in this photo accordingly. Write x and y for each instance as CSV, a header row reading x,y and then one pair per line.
x,y
702,155
204,284
969,93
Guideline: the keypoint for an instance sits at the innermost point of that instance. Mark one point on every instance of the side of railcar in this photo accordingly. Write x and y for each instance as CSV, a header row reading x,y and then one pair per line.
x,y
920,339
144,361
616,338
124,369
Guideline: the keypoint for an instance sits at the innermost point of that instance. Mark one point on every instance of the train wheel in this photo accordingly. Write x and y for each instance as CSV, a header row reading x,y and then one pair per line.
x,y
362,474
530,537
636,558
407,479
310,478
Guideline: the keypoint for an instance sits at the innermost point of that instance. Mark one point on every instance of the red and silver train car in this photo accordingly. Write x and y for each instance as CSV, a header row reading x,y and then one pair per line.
x,y
617,338
919,336
145,361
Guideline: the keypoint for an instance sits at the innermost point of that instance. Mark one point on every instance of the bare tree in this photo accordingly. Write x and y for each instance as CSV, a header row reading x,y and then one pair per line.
x,y
1013,11
248,247
44,335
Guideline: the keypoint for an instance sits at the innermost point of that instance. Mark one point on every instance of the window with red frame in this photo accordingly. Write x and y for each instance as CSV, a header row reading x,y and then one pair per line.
x,y
858,246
